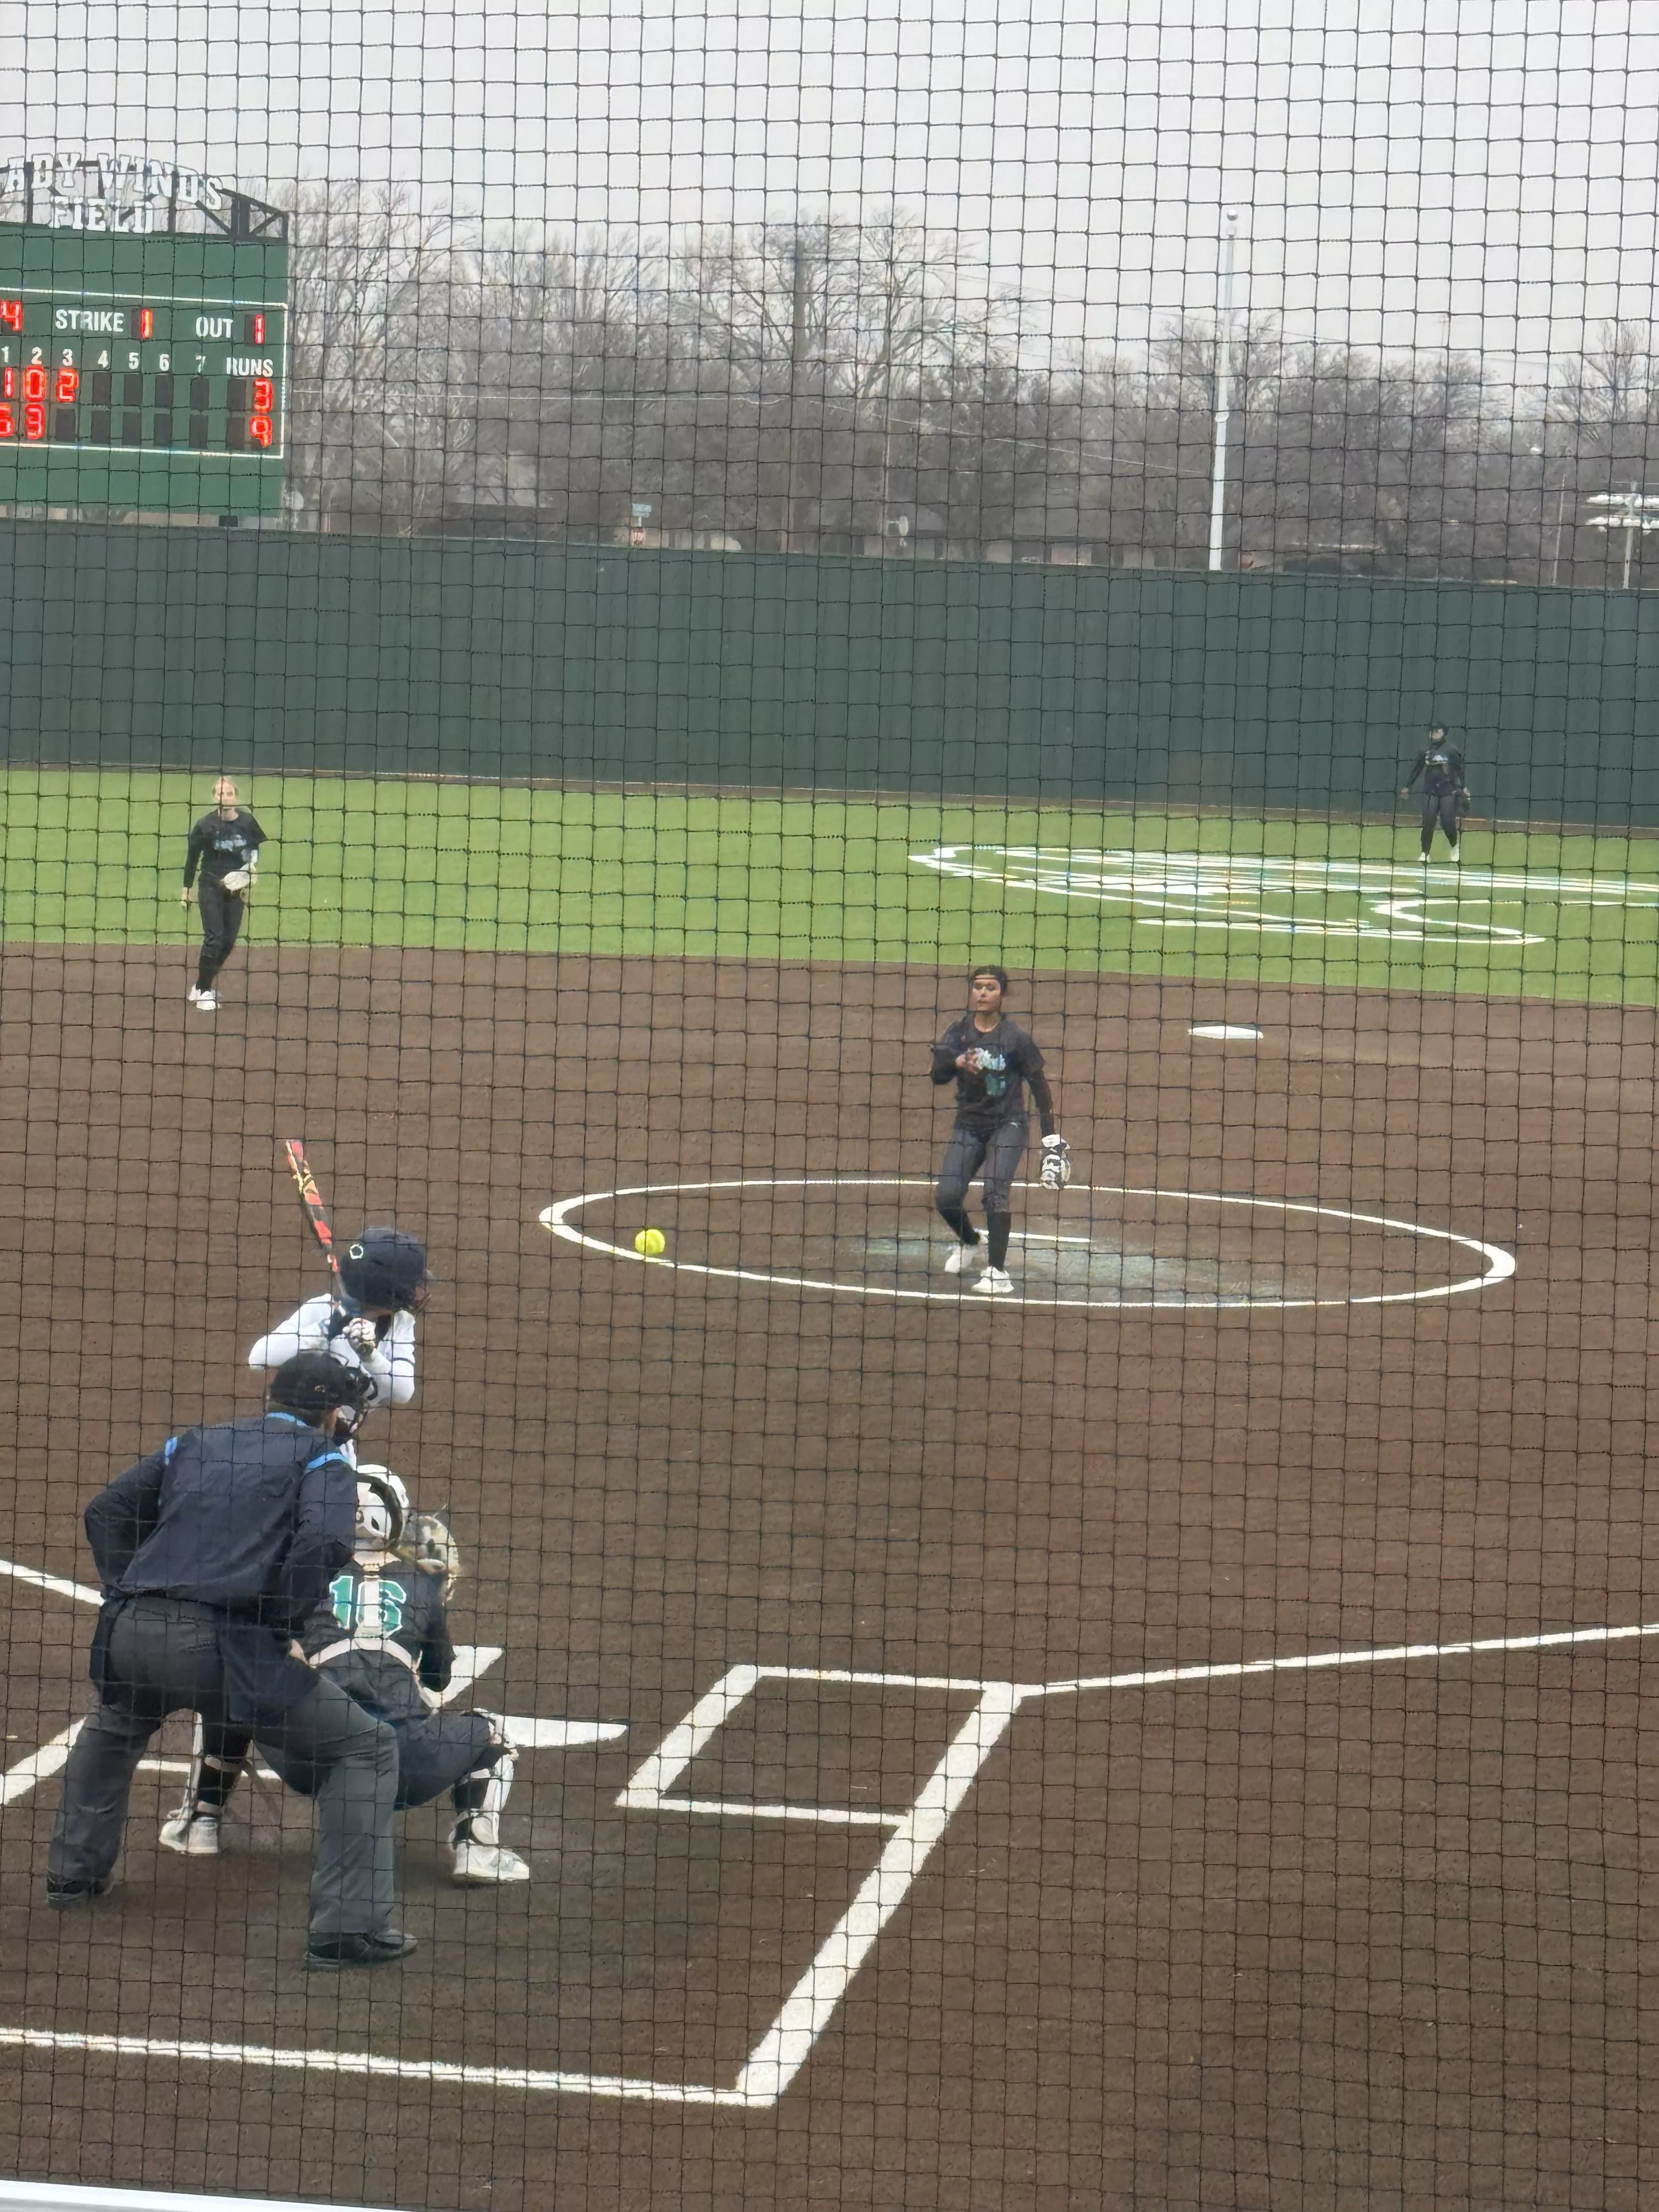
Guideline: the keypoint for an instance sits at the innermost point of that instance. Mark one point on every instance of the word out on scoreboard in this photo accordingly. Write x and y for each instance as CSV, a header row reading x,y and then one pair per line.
x,y
143,339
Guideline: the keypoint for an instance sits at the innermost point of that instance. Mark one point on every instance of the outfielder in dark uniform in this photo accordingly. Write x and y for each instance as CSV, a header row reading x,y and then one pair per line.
x,y
225,846
991,1062
213,1551
1445,790
382,1634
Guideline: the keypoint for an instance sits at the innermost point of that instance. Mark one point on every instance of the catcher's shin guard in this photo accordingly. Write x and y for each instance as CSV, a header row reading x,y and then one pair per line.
x,y
480,1855
194,1828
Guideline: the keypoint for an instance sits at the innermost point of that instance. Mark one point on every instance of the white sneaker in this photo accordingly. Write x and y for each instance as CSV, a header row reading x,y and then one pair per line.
x,y
191,1833
206,1000
1457,856
477,1859
958,1259
995,1282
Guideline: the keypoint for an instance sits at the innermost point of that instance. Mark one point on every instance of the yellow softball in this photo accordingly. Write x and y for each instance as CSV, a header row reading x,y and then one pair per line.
x,y
651,1244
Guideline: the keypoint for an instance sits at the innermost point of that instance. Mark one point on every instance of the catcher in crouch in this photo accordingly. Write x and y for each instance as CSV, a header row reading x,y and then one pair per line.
x,y
991,1061
384,1636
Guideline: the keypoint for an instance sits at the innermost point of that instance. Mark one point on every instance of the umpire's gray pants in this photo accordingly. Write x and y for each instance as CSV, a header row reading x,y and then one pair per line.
x,y
163,1657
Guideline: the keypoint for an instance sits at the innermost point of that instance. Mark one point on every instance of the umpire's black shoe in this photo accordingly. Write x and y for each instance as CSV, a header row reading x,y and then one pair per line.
x,y
63,1896
339,1954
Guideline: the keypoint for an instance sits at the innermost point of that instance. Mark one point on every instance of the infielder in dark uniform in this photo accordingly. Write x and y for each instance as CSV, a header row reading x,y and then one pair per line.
x,y
225,846
1445,790
382,1634
213,1551
991,1062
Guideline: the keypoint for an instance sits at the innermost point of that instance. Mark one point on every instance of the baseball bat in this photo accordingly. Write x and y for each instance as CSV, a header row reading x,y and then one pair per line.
x,y
311,1204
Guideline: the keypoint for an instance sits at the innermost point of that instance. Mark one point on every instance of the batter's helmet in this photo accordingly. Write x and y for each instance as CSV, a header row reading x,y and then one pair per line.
x,y
384,1267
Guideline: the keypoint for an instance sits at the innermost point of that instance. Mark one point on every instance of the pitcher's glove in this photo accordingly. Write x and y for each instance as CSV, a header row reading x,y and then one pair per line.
x,y
1056,1170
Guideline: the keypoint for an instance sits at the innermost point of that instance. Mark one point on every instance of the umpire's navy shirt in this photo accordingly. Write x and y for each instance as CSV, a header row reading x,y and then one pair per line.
x,y
254,1517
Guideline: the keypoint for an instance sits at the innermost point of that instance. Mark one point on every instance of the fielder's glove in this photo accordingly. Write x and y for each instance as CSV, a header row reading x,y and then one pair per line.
x,y
1056,1171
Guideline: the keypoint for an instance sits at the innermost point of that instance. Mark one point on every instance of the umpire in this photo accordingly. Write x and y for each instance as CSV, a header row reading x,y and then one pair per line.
x,y
212,1551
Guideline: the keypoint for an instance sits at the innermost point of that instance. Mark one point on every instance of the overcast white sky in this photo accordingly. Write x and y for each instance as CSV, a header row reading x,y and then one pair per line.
x,y
1397,162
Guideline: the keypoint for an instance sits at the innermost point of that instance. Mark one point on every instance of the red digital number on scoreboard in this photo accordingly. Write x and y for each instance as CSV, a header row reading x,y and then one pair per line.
x,y
11,315
8,422
259,429
264,396
34,419
34,384
69,383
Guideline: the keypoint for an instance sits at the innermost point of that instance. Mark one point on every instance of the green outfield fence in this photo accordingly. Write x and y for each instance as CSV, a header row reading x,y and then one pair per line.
x,y
185,647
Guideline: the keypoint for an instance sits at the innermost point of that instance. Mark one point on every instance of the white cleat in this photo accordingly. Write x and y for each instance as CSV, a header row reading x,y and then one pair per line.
x,y
478,1861
959,1258
192,1834
207,1002
996,1283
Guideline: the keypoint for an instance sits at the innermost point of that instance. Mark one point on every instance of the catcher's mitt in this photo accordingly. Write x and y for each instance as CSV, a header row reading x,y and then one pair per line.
x,y
1056,1170
427,1544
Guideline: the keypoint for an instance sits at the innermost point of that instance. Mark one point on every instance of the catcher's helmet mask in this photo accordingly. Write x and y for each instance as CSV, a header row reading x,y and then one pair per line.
x,y
385,1490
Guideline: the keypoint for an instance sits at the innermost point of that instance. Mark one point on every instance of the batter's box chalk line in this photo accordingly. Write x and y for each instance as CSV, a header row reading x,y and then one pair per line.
x,y
1499,1265
912,1833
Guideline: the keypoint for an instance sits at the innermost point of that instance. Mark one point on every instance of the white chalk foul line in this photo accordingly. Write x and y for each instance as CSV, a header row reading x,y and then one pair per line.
x,y
1310,1662
1499,1264
299,2060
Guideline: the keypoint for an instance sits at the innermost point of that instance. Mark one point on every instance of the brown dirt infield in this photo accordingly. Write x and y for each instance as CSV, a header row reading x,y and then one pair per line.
x,y
1378,1938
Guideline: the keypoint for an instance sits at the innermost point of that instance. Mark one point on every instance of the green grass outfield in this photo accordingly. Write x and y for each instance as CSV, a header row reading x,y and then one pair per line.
x,y
95,857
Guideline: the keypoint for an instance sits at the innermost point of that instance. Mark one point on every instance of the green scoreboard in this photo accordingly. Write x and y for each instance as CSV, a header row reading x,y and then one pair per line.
x,y
148,372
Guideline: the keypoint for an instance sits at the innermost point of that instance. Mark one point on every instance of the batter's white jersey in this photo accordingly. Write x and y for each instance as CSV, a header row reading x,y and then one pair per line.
x,y
391,1365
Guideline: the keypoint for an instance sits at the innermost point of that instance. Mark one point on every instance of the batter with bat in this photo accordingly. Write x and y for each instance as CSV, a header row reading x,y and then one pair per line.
x,y
367,1323
367,1319
225,846
991,1061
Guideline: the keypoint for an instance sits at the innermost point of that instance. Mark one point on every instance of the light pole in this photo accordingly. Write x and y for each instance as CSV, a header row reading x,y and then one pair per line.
x,y
1542,452
1223,373
1629,511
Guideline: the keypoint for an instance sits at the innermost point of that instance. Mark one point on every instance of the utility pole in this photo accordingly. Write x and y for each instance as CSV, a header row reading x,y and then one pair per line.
x,y
1224,374
797,367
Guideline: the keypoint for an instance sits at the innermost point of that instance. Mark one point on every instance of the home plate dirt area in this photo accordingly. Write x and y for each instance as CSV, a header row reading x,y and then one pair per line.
x,y
994,1755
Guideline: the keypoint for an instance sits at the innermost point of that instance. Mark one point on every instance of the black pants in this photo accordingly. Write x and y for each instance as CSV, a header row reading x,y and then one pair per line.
x,y
999,1154
163,1657
221,925
435,1752
1441,806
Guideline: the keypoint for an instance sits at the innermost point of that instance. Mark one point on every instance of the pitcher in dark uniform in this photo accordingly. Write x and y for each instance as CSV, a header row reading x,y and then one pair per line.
x,y
991,1061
